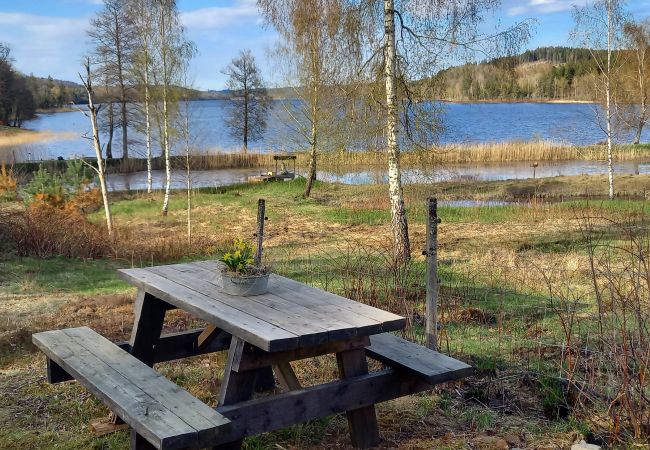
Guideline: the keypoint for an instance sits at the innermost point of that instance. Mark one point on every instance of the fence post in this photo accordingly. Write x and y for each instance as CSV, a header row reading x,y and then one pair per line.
x,y
261,210
431,253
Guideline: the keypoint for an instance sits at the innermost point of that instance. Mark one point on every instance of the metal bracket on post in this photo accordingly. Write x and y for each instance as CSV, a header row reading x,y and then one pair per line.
x,y
431,252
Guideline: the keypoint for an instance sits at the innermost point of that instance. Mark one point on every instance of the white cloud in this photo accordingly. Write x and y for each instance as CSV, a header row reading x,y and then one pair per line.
x,y
221,16
544,6
44,45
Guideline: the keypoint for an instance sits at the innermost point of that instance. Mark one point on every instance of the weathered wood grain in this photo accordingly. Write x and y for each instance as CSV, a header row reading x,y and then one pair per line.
x,y
362,422
256,331
261,415
236,386
309,332
313,298
159,410
288,379
182,344
260,358
406,356
340,323
149,313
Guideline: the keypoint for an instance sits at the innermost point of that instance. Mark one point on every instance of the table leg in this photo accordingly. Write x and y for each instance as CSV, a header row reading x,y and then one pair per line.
x,y
149,318
149,315
362,422
139,443
239,386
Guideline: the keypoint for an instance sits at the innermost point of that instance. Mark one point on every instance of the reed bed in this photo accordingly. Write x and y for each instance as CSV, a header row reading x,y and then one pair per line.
x,y
198,161
489,152
12,137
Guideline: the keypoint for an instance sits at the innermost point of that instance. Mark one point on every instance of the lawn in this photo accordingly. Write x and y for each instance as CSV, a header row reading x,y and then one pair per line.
x,y
495,309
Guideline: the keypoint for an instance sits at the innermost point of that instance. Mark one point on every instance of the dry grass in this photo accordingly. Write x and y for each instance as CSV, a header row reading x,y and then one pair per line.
x,y
11,137
482,249
478,153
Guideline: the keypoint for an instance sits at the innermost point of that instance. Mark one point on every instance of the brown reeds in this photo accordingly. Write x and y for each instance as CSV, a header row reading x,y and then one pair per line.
x,y
487,152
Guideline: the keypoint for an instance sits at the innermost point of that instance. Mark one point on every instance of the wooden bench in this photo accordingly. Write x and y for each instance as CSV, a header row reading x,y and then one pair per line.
x,y
402,355
159,411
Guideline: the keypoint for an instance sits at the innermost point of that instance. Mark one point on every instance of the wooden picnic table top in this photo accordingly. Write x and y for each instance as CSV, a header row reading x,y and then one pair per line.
x,y
291,315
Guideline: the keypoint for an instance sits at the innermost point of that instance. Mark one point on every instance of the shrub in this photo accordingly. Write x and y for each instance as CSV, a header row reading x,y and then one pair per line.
x,y
57,189
43,230
8,183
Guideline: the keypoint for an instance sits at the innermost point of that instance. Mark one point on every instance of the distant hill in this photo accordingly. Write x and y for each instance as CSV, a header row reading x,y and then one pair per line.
x,y
546,73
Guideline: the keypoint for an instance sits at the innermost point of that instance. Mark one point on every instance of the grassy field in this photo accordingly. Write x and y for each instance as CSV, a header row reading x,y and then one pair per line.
x,y
495,311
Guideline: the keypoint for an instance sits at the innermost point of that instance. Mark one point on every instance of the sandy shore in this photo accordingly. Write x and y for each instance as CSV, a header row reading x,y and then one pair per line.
x,y
10,137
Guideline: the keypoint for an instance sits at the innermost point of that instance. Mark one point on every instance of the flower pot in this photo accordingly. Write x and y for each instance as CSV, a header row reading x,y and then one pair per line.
x,y
244,285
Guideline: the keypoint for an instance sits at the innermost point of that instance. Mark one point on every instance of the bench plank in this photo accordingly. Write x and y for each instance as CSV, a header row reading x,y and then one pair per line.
x,y
404,355
159,410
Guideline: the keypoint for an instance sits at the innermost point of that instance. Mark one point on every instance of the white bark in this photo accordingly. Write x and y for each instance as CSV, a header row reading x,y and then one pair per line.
x,y
147,117
608,101
165,101
101,174
398,211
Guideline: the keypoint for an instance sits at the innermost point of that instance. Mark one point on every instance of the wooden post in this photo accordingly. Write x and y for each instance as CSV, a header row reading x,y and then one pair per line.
x,y
261,209
431,253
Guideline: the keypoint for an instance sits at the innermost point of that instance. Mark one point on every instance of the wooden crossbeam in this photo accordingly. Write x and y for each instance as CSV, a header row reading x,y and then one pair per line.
x,y
287,377
106,425
258,358
266,414
207,335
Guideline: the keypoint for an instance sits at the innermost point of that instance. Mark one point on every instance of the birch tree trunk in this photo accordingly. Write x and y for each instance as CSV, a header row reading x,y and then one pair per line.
x,y
643,107
165,101
168,169
147,124
608,101
314,100
92,109
111,131
399,223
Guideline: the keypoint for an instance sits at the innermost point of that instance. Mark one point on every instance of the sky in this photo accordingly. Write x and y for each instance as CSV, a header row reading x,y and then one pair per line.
x,y
48,37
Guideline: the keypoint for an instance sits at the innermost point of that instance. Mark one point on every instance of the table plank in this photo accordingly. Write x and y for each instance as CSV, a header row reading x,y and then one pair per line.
x,y
309,315
339,326
312,298
258,332
308,332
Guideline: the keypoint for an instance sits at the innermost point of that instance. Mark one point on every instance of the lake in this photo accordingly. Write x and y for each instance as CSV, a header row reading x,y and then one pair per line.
x,y
464,123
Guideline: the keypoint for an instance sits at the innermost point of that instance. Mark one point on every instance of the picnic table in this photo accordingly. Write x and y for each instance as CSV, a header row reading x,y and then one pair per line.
x,y
262,335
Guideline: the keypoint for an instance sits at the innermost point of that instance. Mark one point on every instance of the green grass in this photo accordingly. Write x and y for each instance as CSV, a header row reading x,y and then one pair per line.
x,y
60,275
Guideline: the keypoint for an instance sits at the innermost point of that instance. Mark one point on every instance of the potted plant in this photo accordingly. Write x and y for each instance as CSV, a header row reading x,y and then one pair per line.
x,y
239,275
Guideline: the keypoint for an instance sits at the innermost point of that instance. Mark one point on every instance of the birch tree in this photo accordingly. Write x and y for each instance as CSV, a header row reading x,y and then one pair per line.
x,y
637,36
319,55
249,100
142,13
92,113
171,55
418,39
112,35
598,26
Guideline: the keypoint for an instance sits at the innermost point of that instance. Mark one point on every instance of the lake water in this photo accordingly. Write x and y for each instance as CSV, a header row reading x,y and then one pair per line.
x,y
482,172
464,123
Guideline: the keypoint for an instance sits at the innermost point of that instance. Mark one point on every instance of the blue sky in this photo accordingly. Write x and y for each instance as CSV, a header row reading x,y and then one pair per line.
x,y
47,37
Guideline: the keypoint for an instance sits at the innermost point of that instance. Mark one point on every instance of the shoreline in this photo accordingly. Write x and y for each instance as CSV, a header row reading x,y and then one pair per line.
x,y
521,100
